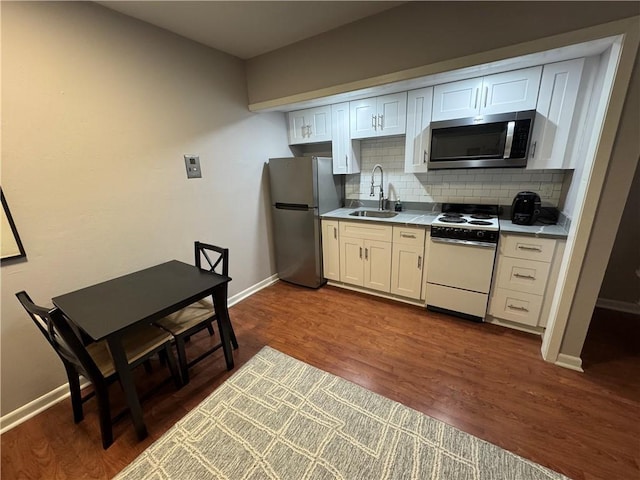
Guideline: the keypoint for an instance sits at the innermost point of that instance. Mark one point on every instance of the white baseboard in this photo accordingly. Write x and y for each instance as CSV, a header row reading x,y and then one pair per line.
x,y
346,286
618,305
238,297
570,362
31,409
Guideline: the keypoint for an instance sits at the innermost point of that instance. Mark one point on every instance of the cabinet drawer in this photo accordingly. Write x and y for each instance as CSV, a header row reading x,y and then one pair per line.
x,y
516,306
408,235
532,248
366,231
526,276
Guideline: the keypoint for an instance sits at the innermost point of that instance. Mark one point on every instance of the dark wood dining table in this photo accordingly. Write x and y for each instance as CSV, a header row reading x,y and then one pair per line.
x,y
110,309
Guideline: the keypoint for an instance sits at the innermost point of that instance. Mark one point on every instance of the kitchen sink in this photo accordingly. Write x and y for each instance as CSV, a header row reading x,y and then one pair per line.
x,y
373,214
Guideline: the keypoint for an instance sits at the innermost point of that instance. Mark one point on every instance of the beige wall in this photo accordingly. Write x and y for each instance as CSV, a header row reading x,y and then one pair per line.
x,y
417,34
622,279
97,111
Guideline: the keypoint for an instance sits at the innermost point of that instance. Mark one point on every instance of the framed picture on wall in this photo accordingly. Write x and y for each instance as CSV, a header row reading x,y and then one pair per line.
x,y
11,246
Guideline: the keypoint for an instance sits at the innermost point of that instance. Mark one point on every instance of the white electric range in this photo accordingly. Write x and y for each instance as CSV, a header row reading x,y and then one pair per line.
x,y
462,251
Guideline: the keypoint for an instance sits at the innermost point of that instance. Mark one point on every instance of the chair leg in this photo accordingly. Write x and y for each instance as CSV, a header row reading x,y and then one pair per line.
x,y
173,367
147,366
76,395
182,360
234,342
210,328
106,430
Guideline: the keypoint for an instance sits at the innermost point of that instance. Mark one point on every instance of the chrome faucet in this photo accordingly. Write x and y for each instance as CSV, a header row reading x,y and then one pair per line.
x,y
381,197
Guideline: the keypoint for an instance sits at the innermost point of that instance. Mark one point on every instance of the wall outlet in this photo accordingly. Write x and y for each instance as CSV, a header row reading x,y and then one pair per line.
x,y
192,163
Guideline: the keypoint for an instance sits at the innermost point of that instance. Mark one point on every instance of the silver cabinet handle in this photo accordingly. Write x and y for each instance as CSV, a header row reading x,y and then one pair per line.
x,y
346,161
532,249
419,262
475,102
407,235
380,119
486,95
514,307
335,233
533,149
519,275
509,140
366,254
373,122
308,130
424,157
360,252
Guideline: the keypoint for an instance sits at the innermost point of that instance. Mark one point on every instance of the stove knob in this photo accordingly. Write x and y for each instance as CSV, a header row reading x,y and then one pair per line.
x,y
480,234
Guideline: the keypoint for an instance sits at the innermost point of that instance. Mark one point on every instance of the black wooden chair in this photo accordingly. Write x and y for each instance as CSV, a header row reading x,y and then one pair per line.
x,y
199,315
93,361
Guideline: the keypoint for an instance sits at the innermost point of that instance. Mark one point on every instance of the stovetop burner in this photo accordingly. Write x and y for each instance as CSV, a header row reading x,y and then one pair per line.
x,y
467,217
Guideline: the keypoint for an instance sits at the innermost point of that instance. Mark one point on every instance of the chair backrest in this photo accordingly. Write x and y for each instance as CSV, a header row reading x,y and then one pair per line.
x,y
221,256
62,337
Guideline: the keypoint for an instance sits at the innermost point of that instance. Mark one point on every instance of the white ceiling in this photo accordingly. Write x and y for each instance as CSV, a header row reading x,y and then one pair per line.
x,y
247,29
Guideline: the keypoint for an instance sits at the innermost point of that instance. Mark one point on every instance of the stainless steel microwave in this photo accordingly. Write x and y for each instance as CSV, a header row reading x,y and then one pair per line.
x,y
487,141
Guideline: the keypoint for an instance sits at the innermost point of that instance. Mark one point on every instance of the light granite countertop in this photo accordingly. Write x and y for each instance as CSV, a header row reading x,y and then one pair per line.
x,y
422,218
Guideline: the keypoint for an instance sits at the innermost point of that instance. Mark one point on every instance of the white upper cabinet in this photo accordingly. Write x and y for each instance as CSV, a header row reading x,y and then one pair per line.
x,y
417,145
499,93
379,116
310,126
555,116
345,151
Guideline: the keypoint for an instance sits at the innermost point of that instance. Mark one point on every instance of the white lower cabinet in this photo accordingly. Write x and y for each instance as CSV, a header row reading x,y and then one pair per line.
x,y
365,255
330,250
407,263
525,278
377,265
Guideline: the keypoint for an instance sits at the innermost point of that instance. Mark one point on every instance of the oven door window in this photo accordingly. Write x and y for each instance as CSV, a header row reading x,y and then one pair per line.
x,y
471,142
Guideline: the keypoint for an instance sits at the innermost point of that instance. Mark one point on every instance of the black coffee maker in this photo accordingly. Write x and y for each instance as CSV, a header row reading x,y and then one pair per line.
x,y
525,208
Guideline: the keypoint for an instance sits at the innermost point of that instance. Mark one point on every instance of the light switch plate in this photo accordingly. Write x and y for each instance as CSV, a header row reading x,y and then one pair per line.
x,y
192,163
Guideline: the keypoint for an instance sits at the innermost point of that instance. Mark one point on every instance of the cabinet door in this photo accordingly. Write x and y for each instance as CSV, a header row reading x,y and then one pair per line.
x,y
345,151
297,127
406,270
456,99
352,260
510,91
416,149
377,265
319,124
392,114
554,114
330,250
363,118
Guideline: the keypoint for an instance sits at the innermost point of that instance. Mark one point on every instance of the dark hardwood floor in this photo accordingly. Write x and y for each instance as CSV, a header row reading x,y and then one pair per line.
x,y
486,380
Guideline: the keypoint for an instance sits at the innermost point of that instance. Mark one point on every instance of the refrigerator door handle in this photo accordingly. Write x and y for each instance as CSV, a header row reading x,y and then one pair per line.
x,y
291,206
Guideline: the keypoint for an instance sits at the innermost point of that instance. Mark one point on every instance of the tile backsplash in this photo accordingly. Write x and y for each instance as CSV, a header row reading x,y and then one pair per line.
x,y
473,185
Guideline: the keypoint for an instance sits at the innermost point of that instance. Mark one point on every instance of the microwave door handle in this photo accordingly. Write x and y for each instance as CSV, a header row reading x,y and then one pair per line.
x,y
509,140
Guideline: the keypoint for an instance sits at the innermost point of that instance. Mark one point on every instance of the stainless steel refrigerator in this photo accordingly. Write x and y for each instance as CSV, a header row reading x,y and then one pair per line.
x,y
302,189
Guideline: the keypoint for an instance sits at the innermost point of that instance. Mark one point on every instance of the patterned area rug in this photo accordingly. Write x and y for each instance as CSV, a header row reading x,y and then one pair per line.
x,y
279,418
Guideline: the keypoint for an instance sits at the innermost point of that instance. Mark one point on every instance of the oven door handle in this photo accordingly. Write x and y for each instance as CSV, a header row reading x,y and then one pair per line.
x,y
470,243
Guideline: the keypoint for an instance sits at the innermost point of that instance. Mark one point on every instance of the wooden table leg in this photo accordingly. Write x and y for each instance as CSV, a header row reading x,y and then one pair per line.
x,y
220,304
126,380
